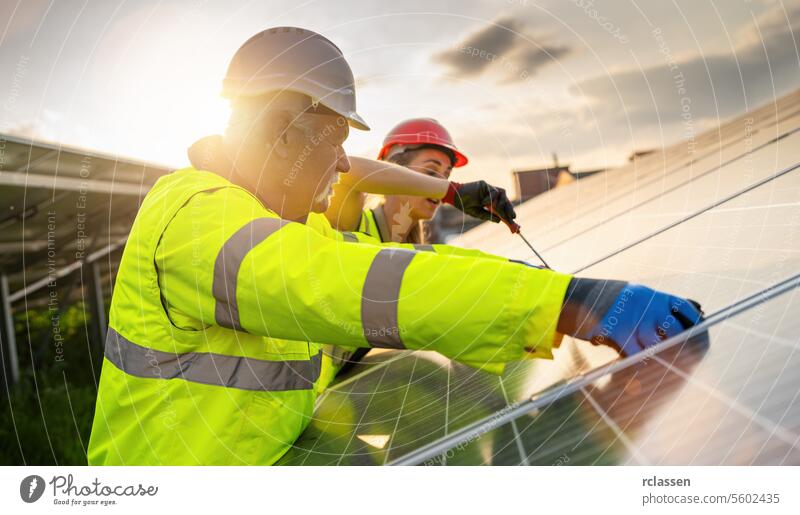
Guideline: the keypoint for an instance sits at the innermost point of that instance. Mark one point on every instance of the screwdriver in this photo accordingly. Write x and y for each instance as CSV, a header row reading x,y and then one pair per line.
x,y
515,229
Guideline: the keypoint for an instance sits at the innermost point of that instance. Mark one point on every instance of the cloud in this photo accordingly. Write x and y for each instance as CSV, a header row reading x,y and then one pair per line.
x,y
535,58
505,45
697,88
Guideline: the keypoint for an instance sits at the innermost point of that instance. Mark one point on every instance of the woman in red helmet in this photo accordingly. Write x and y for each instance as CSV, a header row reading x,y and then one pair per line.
x,y
423,155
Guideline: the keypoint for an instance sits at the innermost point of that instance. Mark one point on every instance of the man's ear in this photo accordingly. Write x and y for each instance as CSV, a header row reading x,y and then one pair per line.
x,y
282,134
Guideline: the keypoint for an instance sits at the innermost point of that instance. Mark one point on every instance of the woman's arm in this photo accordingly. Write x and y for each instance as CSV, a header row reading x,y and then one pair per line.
x,y
385,178
378,177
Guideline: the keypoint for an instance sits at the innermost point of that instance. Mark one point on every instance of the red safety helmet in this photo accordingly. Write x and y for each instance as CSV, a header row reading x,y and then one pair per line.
x,y
421,131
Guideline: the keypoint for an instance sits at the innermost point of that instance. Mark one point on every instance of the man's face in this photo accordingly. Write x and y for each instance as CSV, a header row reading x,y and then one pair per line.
x,y
433,162
315,159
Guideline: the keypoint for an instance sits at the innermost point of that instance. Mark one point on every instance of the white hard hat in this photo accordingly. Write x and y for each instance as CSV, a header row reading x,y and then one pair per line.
x,y
294,59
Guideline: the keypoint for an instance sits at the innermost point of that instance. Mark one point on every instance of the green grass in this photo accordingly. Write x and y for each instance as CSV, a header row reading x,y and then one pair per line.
x,y
47,418
48,425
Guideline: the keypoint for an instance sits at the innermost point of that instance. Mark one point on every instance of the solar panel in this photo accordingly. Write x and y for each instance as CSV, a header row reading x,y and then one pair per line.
x,y
732,402
716,219
45,185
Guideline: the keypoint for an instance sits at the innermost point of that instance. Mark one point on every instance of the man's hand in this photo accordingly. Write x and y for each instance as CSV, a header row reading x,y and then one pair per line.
x,y
628,317
474,198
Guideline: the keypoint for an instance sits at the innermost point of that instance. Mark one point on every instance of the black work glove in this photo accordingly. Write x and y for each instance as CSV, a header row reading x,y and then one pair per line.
x,y
475,198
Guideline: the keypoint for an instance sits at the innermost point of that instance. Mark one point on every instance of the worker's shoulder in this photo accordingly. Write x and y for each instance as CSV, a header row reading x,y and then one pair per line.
x,y
191,178
198,198
191,184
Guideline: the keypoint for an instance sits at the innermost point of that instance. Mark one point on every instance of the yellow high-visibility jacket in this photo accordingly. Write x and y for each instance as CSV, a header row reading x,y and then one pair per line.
x,y
209,358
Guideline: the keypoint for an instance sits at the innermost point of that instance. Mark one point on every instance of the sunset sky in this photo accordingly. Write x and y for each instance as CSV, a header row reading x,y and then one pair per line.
x,y
589,80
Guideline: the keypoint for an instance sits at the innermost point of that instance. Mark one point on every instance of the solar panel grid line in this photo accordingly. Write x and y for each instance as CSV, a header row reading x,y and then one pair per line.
x,y
33,259
558,248
545,456
361,419
469,400
770,456
749,392
622,188
443,457
620,434
745,168
685,423
400,412
774,428
580,436
663,161
767,246
470,405
715,449
558,391
600,424
751,208
666,269
29,171
355,377
523,457
666,170
13,219
797,442
720,247
731,131
28,145
48,164
693,422
606,419
694,214
669,190
311,449
782,433
684,267
566,433
771,337
91,258
715,442
542,457
743,395
469,395
35,162
33,181
666,416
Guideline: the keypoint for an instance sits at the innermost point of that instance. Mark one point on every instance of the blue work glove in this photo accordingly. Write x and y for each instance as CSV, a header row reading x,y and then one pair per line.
x,y
628,317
